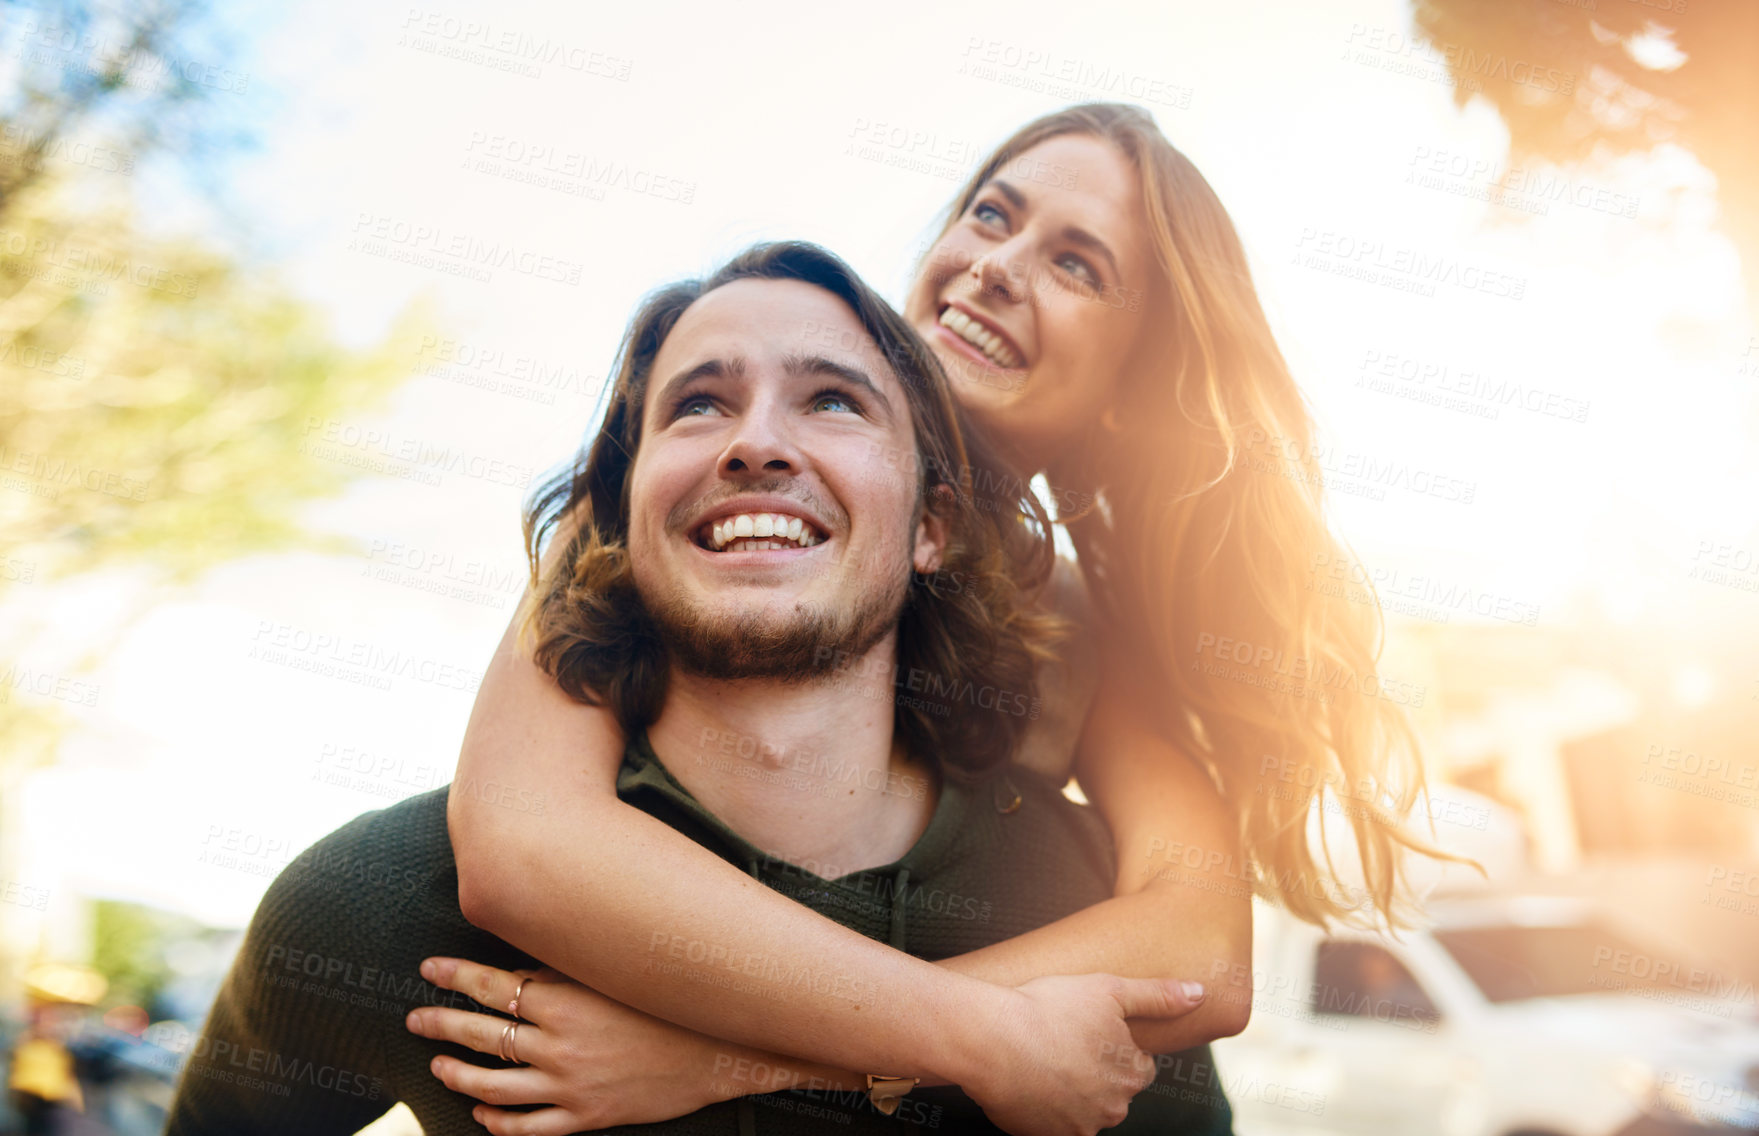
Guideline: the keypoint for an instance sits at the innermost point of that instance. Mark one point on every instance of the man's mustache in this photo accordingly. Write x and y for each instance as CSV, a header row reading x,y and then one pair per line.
x,y
833,516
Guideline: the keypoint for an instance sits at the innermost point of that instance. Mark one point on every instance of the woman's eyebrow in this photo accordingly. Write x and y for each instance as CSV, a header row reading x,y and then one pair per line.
x,y
1074,234
1007,190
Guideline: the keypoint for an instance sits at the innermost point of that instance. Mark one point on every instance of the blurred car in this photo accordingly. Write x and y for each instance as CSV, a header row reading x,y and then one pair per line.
x,y
1509,1017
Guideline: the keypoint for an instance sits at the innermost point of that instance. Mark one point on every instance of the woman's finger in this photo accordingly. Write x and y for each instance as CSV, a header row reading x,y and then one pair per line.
x,y
543,1122
489,985
481,1032
498,1087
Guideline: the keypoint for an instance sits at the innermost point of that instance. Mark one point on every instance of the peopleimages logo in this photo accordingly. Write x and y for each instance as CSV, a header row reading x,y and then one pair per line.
x,y
1472,68
1393,373
1046,71
430,246
94,267
1399,266
1432,596
504,48
385,451
1524,188
939,691
1271,668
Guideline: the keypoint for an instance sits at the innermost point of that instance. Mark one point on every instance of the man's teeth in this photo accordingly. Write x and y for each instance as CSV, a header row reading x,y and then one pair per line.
x,y
980,337
786,531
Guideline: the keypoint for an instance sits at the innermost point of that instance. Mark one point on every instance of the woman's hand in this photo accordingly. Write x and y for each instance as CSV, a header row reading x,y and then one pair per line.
x,y
597,1062
1065,1063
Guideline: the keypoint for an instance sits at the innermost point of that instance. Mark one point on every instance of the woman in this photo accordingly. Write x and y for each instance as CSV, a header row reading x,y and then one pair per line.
x,y
1091,303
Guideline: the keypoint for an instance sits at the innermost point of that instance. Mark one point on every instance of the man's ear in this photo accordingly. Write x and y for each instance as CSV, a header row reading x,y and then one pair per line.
x,y
931,531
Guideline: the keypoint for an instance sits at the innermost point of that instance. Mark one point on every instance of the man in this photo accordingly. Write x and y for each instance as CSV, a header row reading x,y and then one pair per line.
x,y
745,576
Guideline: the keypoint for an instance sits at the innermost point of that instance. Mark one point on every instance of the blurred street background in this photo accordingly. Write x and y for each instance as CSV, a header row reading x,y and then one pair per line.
x,y
298,301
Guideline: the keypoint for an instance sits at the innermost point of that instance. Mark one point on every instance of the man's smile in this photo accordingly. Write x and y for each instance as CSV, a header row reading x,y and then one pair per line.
x,y
754,532
758,523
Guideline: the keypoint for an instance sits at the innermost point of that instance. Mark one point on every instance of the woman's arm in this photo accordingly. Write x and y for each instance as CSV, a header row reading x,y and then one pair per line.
x,y
596,908
1053,1055
603,892
596,1063
1183,899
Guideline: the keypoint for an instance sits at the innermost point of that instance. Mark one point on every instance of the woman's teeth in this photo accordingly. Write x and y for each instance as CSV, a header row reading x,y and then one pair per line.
x,y
760,532
980,337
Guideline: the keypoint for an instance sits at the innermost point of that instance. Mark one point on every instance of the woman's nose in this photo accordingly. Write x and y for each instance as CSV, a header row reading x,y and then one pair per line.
x,y
1000,273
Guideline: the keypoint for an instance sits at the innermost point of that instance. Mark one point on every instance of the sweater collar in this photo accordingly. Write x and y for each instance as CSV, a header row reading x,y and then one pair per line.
x,y
642,770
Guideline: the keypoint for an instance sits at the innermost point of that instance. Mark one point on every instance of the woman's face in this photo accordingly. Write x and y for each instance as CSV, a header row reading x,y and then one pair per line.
x,y
1035,298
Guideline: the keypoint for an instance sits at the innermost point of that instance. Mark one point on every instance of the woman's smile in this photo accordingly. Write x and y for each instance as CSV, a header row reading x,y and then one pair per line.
x,y
980,338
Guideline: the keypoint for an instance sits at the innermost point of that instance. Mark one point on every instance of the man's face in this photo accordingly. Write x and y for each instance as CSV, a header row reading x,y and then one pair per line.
x,y
764,536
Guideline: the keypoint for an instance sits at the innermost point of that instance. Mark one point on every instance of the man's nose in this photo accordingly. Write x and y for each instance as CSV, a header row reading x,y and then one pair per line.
x,y
762,444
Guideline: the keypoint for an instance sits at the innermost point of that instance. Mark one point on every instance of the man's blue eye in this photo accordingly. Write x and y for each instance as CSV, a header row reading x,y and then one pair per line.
x,y
822,400
695,406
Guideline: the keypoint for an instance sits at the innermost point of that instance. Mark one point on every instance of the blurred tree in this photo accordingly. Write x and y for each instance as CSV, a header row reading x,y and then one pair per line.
x,y
155,394
129,947
155,405
95,84
156,391
1576,80
155,398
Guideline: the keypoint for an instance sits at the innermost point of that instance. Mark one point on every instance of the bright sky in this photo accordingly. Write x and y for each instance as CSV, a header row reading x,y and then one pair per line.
x,y
852,127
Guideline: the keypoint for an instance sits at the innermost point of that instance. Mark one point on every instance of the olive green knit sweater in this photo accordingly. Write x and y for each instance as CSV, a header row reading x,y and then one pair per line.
x,y
307,1036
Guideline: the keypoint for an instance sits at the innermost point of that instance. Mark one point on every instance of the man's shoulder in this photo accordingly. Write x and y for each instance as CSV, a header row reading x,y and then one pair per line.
x,y
1019,823
371,862
1044,805
350,913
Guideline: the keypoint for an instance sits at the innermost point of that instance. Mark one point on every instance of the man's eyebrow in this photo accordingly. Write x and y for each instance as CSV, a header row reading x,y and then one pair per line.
x,y
798,365
733,367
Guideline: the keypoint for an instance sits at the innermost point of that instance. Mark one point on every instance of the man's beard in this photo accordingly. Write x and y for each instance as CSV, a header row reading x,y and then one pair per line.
x,y
808,644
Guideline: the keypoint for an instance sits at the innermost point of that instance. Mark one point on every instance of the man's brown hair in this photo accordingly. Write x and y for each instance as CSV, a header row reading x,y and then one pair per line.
x,y
969,635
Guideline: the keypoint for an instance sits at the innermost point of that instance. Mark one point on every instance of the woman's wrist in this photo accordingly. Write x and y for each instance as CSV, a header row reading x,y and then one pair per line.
x,y
958,1048
740,1071
961,1046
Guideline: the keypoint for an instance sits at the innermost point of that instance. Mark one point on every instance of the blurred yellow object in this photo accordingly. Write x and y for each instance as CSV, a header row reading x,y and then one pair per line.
x,y
64,982
44,1069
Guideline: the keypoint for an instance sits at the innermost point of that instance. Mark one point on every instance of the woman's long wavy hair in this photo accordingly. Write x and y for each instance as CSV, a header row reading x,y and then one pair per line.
x,y
1208,533
590,631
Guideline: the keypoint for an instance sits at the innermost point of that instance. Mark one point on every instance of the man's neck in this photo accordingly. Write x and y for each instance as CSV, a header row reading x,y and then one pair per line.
x,y
809,771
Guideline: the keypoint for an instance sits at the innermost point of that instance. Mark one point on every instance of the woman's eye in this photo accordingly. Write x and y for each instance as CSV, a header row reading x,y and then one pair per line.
x,y
1079,269
833,401
989,214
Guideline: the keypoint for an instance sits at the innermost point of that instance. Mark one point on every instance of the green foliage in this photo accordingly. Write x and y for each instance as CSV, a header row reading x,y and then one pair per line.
x,y
129,947
156,395
155,399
